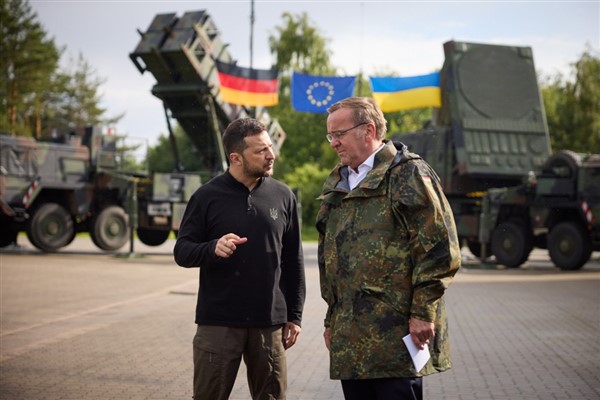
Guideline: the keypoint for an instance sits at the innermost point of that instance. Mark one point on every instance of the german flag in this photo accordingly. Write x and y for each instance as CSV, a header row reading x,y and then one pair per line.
x,y
247,87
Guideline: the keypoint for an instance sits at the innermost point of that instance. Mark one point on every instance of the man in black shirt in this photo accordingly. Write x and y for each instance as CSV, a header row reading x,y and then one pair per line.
x,y
242,230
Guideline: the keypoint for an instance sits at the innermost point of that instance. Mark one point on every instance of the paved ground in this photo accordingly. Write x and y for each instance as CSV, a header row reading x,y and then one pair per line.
x,y
81,324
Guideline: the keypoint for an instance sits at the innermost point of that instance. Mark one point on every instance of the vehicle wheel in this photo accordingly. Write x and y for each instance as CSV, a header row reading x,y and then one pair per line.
x,y
110,228
71,238
50,227
475,248
570,247
511,244
152,237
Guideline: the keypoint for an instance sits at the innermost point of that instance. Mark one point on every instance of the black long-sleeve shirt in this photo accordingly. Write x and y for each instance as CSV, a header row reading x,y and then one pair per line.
x,y
262,283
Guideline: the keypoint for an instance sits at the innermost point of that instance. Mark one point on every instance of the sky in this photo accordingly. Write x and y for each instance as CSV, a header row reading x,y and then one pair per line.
x,y
405,37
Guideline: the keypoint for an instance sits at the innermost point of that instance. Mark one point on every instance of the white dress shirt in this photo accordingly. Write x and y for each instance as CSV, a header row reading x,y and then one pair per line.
x,y
355,177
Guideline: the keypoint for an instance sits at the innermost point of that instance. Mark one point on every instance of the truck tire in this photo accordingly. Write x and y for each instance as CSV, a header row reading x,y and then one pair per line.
x,y
50,227
110,228
511,244
152,237
570,247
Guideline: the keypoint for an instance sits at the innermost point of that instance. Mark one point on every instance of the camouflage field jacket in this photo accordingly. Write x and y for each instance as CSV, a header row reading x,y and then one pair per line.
x,y
387,251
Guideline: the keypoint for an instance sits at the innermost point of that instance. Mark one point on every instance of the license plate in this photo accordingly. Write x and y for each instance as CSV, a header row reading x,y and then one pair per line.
x,y
159,209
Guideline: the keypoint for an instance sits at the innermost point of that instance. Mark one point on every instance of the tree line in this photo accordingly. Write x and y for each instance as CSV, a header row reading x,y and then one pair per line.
x,y
39,98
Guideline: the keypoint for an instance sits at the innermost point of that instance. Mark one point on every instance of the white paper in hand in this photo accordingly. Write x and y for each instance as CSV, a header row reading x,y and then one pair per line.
x,y
419,357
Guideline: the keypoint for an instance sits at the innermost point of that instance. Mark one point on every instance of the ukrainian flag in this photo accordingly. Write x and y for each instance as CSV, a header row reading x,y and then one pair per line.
x,y
405,93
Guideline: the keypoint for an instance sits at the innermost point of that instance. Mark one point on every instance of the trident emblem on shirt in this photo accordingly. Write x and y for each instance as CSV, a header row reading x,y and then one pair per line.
x,y
273,213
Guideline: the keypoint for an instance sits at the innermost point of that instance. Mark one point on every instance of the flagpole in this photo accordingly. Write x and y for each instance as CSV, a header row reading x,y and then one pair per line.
x,y
360,50
252,112
251,30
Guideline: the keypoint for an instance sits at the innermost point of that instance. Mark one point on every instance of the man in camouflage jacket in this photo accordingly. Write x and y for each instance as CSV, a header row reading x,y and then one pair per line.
x,y
388,250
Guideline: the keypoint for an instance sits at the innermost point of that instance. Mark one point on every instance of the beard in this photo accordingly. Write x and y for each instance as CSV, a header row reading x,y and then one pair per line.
x,y
257,171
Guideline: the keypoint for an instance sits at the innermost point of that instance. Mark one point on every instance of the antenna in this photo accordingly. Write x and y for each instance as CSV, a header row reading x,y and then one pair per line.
x,y
251,31
252,109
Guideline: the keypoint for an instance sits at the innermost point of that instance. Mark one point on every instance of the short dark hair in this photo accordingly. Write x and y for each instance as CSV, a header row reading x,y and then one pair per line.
x,y
237,130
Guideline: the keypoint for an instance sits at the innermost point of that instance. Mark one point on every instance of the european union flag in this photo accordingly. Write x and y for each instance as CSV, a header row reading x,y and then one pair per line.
x,y
314,94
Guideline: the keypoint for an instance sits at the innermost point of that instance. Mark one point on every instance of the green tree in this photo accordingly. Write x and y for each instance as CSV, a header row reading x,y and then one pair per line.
x,y
162,159
36,98
573,107
77,100
299,46
28,61
408,120
305,157
308,179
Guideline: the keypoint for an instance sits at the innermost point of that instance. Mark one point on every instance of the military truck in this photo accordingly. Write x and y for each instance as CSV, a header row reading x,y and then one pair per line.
x,y
489,143
54,190
84,182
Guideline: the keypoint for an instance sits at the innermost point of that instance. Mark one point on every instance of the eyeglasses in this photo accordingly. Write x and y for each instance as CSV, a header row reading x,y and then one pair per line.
x,y
340,134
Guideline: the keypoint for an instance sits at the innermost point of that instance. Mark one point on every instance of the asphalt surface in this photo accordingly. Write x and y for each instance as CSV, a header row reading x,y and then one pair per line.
x,y
82,324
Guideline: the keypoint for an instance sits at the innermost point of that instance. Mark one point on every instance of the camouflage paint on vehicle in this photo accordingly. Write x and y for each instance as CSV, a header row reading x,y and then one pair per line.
x,y
490,144
84,183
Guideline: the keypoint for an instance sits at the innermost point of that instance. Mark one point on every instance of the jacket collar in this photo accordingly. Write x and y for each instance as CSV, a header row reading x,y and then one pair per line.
x,y
338,179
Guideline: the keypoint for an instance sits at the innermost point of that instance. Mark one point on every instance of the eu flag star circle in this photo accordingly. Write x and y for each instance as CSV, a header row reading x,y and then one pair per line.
x,y
320,93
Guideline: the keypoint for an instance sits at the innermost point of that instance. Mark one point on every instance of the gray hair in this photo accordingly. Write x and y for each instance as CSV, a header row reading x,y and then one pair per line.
x,y
364,109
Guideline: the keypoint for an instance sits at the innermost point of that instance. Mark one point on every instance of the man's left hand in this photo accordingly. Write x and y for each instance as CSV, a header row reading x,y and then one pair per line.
x,y
290,334
420,332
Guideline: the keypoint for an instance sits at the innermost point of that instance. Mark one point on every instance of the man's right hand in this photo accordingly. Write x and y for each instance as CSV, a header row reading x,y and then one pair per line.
x,y
227,244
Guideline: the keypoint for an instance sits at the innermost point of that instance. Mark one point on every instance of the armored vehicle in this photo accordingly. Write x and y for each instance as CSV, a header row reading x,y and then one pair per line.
x,y
489,143
83,184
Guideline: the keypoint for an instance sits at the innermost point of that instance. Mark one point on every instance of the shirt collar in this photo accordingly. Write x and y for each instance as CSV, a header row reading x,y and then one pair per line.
x,y
367,165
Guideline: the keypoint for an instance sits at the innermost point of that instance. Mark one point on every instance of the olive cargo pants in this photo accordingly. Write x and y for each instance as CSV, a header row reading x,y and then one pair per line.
x,y
218,351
